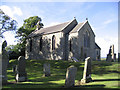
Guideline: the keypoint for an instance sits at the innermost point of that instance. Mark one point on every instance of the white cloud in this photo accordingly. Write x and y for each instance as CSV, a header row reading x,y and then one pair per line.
x,y
53,23
11,11
108,21
105,43
17,11
10,38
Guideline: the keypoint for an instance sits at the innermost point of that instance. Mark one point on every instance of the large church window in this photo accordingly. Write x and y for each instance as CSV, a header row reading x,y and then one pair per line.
x,y
30,45
86,39
53,42
40,43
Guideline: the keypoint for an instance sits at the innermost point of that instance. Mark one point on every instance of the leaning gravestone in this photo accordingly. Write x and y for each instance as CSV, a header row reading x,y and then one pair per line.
x,y
46,69
87,71
5,60
21,74
74,59
70,76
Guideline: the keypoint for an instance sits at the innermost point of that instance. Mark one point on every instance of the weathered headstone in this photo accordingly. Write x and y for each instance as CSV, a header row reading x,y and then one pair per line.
x,y
21,74
87,71
70,76
46,70
111,56
14,68
5,60
74,59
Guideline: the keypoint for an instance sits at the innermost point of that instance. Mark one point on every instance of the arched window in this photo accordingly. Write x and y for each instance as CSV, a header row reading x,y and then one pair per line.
x,y
53,42
86,39
30,45
70,45
40,43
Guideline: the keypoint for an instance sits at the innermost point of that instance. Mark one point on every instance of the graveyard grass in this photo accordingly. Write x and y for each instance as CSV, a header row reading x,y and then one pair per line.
x,y
104,74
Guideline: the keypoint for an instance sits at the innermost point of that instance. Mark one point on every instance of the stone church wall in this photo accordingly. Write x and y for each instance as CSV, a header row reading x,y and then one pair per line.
x,y
78,50
46,52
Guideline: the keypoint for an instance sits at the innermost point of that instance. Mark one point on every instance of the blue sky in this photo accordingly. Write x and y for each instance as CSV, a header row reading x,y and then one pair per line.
x,y
102,16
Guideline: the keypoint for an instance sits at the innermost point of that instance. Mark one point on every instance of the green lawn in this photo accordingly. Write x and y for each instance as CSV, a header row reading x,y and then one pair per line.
x,y
104,75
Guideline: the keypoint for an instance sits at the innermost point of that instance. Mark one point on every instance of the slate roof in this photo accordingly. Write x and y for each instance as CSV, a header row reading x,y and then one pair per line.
x,y
97,47
77,27
48,30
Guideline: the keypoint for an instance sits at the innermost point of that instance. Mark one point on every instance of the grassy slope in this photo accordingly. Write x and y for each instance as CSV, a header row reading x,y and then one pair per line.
x,y
104,74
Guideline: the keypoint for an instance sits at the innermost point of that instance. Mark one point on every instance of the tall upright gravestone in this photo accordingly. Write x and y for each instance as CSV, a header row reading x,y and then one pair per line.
x,y
87,71
21,74
111,56
5,61
70,76
46,70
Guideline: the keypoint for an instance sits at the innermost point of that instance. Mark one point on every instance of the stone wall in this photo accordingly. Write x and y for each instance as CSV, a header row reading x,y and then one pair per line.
x,y
46,52
78,49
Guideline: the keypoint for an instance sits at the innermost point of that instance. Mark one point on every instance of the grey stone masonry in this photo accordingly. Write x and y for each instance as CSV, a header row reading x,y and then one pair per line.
x,y
21,74
70,76
5,61
46,70
87,71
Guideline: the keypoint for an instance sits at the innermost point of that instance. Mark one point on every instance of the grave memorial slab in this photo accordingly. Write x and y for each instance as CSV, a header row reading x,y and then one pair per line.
x,y
87,71
5,61
70,76
46,70
21,74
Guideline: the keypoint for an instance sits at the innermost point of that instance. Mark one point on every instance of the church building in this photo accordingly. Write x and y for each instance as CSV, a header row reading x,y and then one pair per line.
x,y
62,42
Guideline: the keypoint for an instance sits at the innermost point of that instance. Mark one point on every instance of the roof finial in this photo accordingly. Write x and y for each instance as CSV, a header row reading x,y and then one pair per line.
x,y
86,18
74,17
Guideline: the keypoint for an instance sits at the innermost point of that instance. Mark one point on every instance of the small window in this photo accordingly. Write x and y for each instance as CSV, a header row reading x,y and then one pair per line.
x,y
30,45
40,43
53,42
70,45
97,53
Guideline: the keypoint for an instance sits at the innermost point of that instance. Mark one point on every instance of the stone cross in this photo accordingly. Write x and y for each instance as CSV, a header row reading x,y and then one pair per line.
x,y
46,69
21,74
87,71
5,61
70,76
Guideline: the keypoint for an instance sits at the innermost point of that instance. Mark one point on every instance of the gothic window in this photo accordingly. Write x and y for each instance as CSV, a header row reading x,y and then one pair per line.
x,y
53,42
97,53
86,39
30,45
40,43
70,45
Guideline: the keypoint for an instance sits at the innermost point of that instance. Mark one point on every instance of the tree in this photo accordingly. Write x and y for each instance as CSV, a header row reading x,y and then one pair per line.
x,y
29,26
6,23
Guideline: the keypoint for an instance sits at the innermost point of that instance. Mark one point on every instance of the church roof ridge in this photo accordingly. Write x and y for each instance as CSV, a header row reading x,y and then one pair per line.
x,y
51,29
78,26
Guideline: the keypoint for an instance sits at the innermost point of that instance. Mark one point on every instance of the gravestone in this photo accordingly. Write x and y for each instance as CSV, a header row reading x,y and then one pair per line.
x,y
74,59
46,70
70,76
5,61
87,71
21,74
111,56
14,68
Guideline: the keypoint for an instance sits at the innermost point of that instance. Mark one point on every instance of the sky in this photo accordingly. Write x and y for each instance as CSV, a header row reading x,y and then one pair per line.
x,y
102,16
